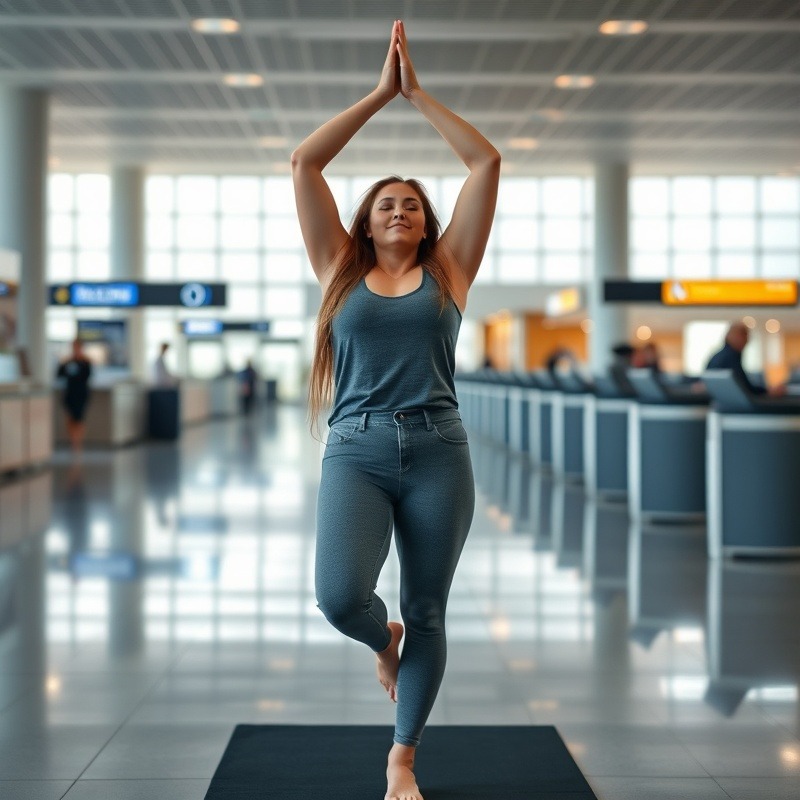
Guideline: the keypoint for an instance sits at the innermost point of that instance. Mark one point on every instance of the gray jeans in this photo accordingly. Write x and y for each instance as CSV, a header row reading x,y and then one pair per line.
x,y
409,471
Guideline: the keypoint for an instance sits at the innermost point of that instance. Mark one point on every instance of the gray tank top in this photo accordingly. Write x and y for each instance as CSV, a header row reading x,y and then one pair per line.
x,y
394,352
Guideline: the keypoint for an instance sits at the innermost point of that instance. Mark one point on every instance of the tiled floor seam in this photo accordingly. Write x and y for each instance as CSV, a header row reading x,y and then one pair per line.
x,y
145,697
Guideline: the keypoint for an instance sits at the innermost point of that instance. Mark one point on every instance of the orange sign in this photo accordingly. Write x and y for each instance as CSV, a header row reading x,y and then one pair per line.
x,y
729,293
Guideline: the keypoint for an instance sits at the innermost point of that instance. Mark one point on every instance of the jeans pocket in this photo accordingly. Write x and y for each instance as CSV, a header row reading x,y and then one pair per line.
x,y
451,431
341,433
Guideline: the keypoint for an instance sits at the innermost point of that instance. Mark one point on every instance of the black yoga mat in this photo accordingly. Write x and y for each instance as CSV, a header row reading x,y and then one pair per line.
x,y
348,762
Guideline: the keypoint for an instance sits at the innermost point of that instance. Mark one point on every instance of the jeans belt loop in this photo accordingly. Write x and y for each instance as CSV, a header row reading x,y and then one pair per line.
x,y
363,424
428,421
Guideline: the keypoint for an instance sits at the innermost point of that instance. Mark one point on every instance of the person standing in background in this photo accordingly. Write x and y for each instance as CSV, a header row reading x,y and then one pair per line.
x,y
162,377
76,371
247,386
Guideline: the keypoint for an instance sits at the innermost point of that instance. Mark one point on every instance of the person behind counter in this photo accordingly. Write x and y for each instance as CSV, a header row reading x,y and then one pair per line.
x,y
162,377
730,357
248,378
76,370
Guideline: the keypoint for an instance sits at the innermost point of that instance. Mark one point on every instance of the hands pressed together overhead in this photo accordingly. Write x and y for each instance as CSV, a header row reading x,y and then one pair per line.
x,y
398,76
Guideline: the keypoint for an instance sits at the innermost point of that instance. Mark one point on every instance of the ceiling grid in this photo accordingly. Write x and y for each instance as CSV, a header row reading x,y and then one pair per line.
x,y
711,80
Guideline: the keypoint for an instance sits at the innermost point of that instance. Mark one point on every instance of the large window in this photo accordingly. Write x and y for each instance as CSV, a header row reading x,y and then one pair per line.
x,y
78,227
78,237
542,232
720,227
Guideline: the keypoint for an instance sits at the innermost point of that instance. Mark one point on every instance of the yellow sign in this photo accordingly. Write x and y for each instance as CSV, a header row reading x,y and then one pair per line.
x,y
564,302
729,293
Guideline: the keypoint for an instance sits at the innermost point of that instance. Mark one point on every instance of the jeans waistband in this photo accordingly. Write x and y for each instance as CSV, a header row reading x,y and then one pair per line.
x,y
411,416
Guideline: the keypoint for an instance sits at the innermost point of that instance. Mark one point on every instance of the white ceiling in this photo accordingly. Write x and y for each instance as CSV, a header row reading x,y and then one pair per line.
x,y
713,86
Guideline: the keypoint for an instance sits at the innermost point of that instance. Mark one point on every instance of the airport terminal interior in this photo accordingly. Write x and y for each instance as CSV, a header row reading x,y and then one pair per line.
x,y
627,373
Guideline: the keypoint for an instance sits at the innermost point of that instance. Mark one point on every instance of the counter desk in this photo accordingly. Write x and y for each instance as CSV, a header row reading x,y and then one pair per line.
x,y
26,432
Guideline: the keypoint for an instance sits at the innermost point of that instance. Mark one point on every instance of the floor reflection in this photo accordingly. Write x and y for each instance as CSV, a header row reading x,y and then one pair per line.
x,y
170,587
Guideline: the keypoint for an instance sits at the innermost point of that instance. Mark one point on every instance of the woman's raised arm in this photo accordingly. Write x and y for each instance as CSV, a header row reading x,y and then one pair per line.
x,y
322,229
468,232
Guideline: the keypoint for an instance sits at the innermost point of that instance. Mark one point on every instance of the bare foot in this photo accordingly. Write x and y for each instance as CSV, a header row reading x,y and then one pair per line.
x,y
389,661
402,784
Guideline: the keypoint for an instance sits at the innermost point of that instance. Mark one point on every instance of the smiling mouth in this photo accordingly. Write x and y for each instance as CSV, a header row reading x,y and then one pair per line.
x,y
400,225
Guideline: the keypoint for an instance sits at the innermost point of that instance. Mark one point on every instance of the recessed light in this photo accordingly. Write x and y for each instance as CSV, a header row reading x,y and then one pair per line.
x,y
772,326
273,141
750,322
523,143
550,114
623,27
215,25
243,79
574,81
643,332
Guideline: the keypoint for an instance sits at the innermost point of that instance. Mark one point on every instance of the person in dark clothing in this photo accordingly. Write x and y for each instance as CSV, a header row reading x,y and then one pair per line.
x,y
247,387
76,371
730,356
621,361
647,357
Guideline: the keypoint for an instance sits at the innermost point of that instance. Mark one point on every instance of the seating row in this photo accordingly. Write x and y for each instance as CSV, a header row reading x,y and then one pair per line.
x,y
676,452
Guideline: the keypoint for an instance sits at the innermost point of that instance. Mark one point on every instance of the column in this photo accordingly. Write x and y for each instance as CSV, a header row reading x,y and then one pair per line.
x,y
610,260
23,176
127,251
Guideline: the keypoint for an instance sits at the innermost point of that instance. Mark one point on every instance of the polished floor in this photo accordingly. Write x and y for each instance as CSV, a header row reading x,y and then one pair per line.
x,y
155,596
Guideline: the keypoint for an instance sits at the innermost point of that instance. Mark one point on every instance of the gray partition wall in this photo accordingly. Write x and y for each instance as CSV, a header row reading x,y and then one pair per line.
x,y
666,462
567,432
605,447
753,484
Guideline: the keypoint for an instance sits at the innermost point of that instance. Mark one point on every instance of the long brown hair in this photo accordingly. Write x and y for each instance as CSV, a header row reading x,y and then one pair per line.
x,y
352,263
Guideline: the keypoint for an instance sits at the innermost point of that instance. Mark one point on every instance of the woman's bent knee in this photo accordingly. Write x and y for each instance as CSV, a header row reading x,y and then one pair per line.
x,y
342,612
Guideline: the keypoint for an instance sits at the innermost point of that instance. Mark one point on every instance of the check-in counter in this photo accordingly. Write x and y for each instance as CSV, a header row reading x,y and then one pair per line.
x,y
753,468
195,401
224,399
540,420
26,432
497,424
605,441
568,411
661,558
666,452
519,399
474,400
751,635
115,415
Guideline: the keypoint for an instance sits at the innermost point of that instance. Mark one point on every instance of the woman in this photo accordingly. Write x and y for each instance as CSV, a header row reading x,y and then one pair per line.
x,y
394,291
77,371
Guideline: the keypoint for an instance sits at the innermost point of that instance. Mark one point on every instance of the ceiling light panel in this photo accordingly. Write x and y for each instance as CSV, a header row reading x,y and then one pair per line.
x,y
623,27
216,26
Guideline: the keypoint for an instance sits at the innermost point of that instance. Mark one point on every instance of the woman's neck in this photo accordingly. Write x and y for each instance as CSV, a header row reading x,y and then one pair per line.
x,y
395,264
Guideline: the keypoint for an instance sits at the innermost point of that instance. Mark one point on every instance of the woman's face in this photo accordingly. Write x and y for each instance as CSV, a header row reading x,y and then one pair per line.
x,y
397,217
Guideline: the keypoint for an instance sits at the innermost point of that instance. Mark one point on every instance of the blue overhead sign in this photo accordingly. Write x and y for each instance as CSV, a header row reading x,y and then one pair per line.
x,y
125,294
216,327
114,295
202,327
